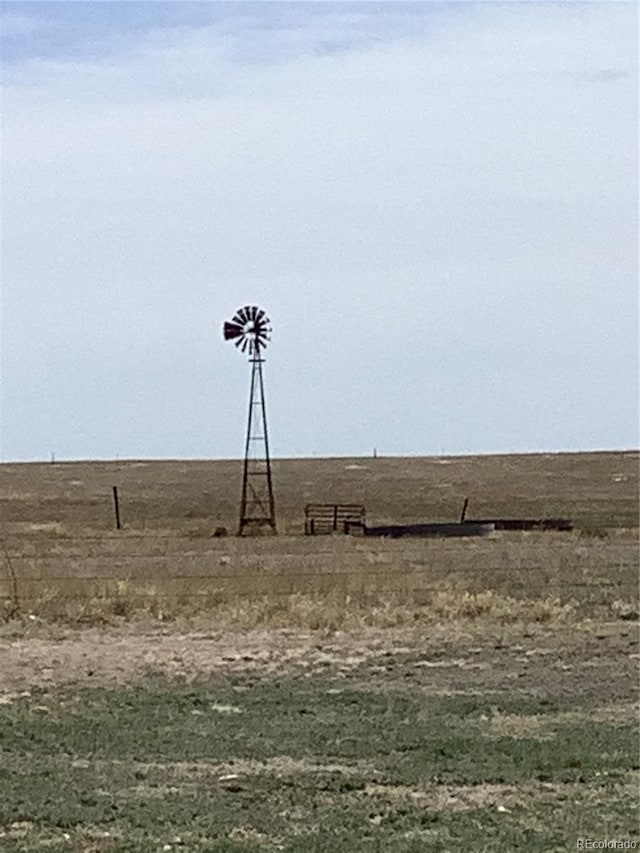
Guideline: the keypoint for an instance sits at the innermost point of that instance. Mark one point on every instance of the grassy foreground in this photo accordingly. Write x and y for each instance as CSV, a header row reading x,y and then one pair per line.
x,y
243,762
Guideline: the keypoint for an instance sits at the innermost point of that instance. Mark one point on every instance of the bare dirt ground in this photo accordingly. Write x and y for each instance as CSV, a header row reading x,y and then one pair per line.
x,y
598,662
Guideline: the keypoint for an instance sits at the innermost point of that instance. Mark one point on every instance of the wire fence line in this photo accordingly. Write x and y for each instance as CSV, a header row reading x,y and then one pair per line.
x,y
103,571
610,584
529,566
493,573
35,543
629,551
624,551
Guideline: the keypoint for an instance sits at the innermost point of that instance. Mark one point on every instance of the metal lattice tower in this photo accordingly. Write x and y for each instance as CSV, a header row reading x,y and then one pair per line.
x,y
250,330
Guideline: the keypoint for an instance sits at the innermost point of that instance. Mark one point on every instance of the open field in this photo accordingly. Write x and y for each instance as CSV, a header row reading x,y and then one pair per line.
x,y
164,690
463,733
59,546
596,490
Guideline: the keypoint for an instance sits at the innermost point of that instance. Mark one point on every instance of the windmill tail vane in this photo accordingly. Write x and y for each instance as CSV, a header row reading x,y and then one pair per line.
x,y
250,330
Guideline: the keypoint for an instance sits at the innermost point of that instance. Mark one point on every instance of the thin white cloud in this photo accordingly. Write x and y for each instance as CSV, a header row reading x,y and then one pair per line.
x,y
461,191
15,24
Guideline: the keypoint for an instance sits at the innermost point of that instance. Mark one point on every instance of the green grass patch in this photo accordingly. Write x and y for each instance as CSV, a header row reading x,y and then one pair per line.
x,y
307,764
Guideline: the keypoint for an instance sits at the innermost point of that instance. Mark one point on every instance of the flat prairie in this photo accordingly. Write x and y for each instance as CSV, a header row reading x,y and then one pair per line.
x,y
596,490
162,689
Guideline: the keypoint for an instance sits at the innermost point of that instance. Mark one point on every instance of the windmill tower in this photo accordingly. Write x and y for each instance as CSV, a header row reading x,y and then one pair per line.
x,y
250,330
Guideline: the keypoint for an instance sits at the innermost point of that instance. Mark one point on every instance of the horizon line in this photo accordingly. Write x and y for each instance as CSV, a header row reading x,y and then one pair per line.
x,y
378,456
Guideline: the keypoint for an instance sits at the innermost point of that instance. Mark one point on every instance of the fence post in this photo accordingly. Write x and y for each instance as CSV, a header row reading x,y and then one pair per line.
x,y
15,609
116,506
464,510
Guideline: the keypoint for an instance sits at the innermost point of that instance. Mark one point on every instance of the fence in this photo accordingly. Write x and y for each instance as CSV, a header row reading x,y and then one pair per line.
x,y
521,565
333,518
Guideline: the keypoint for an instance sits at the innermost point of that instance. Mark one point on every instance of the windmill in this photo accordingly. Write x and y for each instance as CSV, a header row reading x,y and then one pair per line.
x,y
250,330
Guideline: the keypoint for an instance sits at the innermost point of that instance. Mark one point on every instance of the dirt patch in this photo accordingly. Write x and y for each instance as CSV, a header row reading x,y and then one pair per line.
x,y
601,663
518,726
451,797
45,656
501,797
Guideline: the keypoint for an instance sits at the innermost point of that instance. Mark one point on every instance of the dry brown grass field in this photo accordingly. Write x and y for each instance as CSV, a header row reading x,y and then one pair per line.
x,y
164,689
595,489
61,554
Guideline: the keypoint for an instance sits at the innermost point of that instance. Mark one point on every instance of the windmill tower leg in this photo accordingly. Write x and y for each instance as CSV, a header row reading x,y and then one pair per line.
x,y
257,507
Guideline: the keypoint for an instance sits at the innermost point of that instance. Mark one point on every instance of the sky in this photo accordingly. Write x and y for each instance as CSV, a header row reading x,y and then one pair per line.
x,y
435,203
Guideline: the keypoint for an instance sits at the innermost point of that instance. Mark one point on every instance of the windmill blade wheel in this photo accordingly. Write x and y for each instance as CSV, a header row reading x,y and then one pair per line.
x,y
249,329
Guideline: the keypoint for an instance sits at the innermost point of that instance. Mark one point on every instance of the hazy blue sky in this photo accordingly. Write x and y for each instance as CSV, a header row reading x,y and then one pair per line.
x,y
436,203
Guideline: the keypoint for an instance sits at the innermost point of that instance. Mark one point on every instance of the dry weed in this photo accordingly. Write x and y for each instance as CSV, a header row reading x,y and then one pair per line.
x,y
452,604
625,610
328,613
